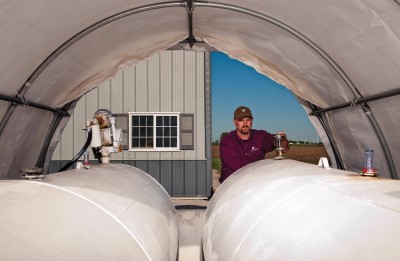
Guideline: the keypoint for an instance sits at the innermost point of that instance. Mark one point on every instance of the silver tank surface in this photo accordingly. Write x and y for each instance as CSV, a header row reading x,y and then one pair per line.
x,y
288,210
109,212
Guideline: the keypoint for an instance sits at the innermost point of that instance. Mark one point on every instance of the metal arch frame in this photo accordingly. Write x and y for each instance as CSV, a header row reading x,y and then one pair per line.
x,y
54,125
73,40
49,136
328,59
189,5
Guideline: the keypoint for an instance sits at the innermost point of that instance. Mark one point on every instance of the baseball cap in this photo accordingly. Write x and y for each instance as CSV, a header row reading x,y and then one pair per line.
x,y
242,112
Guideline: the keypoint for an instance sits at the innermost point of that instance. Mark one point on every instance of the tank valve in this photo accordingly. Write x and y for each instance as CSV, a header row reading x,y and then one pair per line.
x,y
279,148
106,138
32,173
369,169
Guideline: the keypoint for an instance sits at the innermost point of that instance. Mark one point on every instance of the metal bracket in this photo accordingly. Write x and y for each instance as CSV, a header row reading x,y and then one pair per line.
x,y
23,100
190,8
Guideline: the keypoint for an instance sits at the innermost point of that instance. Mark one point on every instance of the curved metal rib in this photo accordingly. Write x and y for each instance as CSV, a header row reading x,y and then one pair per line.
x,y
76,38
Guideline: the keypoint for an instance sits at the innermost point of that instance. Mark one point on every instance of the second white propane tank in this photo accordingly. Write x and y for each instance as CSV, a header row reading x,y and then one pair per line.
x,y
288,210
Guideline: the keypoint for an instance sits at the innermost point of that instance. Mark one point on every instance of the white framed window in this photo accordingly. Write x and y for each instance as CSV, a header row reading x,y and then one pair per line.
x,y
154,131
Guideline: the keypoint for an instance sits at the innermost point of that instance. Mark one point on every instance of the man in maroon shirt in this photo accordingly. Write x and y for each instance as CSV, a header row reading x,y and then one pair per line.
x,y
244,145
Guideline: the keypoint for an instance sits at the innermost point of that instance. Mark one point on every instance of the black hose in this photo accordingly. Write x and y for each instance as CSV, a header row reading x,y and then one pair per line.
x,y
77,156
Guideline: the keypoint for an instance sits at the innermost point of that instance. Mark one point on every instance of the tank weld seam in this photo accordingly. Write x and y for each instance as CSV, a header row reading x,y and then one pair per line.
x,y
102,209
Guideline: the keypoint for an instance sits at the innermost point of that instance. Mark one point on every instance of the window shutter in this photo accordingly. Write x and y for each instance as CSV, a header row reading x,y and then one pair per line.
x,y
122,122
187,131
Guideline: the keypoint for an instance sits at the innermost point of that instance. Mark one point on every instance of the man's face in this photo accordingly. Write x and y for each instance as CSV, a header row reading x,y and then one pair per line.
x,y
243,126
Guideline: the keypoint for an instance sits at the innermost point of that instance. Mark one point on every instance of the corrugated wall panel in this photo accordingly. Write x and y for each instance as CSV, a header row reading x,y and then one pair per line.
x,y
166,177
203,188
129,90
79,135
66,142
190,184
104,96
178,181
190,99
167,82
128,99
166,88
116,100
142,164
200,133
141,87
92,103
207,120
154,91
154,170
141,94
178,88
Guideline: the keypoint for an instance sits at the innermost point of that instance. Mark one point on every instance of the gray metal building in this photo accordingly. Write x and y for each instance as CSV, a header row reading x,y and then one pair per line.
x,y
171,82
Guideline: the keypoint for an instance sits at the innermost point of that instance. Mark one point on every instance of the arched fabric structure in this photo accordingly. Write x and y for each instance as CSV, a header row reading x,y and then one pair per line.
x,y
341,58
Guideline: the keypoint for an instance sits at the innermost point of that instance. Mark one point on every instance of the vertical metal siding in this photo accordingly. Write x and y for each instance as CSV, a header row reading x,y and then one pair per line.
x,y
201,106
190,184
190,99
203,172
154,91
154,169
116,99
170,81
179,175
79,135
178,89
207,120
142,164
166,177
166,89
66,142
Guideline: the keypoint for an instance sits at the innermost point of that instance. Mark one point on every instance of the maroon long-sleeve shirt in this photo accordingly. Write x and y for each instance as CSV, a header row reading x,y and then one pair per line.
x,y
236,153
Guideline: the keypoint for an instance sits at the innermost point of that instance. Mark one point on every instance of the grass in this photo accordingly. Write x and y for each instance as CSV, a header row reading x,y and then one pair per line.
x,y
216,164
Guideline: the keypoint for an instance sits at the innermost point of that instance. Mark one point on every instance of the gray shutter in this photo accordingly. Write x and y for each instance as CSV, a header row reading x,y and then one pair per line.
x,y
187,131
122,122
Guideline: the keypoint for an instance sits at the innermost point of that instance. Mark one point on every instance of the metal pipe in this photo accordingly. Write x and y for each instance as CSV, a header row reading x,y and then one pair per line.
x,y
357,102
338,160
289,210
20,101
190,8
385,147
41,160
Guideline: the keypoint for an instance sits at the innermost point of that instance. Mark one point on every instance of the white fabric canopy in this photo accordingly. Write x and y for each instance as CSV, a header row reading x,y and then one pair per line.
x,y
327,52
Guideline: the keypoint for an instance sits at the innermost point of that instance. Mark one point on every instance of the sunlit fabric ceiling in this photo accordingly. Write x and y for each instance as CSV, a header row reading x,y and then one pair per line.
x,y
341,54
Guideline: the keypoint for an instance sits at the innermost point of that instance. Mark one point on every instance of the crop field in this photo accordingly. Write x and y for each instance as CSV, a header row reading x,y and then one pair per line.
x,y
304,153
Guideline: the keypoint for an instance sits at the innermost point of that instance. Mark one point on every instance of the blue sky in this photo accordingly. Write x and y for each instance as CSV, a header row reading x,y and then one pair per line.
x,y
274,107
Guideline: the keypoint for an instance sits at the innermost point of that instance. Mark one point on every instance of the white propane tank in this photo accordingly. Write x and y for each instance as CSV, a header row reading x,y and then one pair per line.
x,y
288,210
107,212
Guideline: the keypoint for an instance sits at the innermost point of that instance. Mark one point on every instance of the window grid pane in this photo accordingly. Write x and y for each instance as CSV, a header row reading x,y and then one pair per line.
x,y
142,131
166,131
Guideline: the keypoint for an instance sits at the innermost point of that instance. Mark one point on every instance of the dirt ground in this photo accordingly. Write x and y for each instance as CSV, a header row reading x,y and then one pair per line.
x,y
306,153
